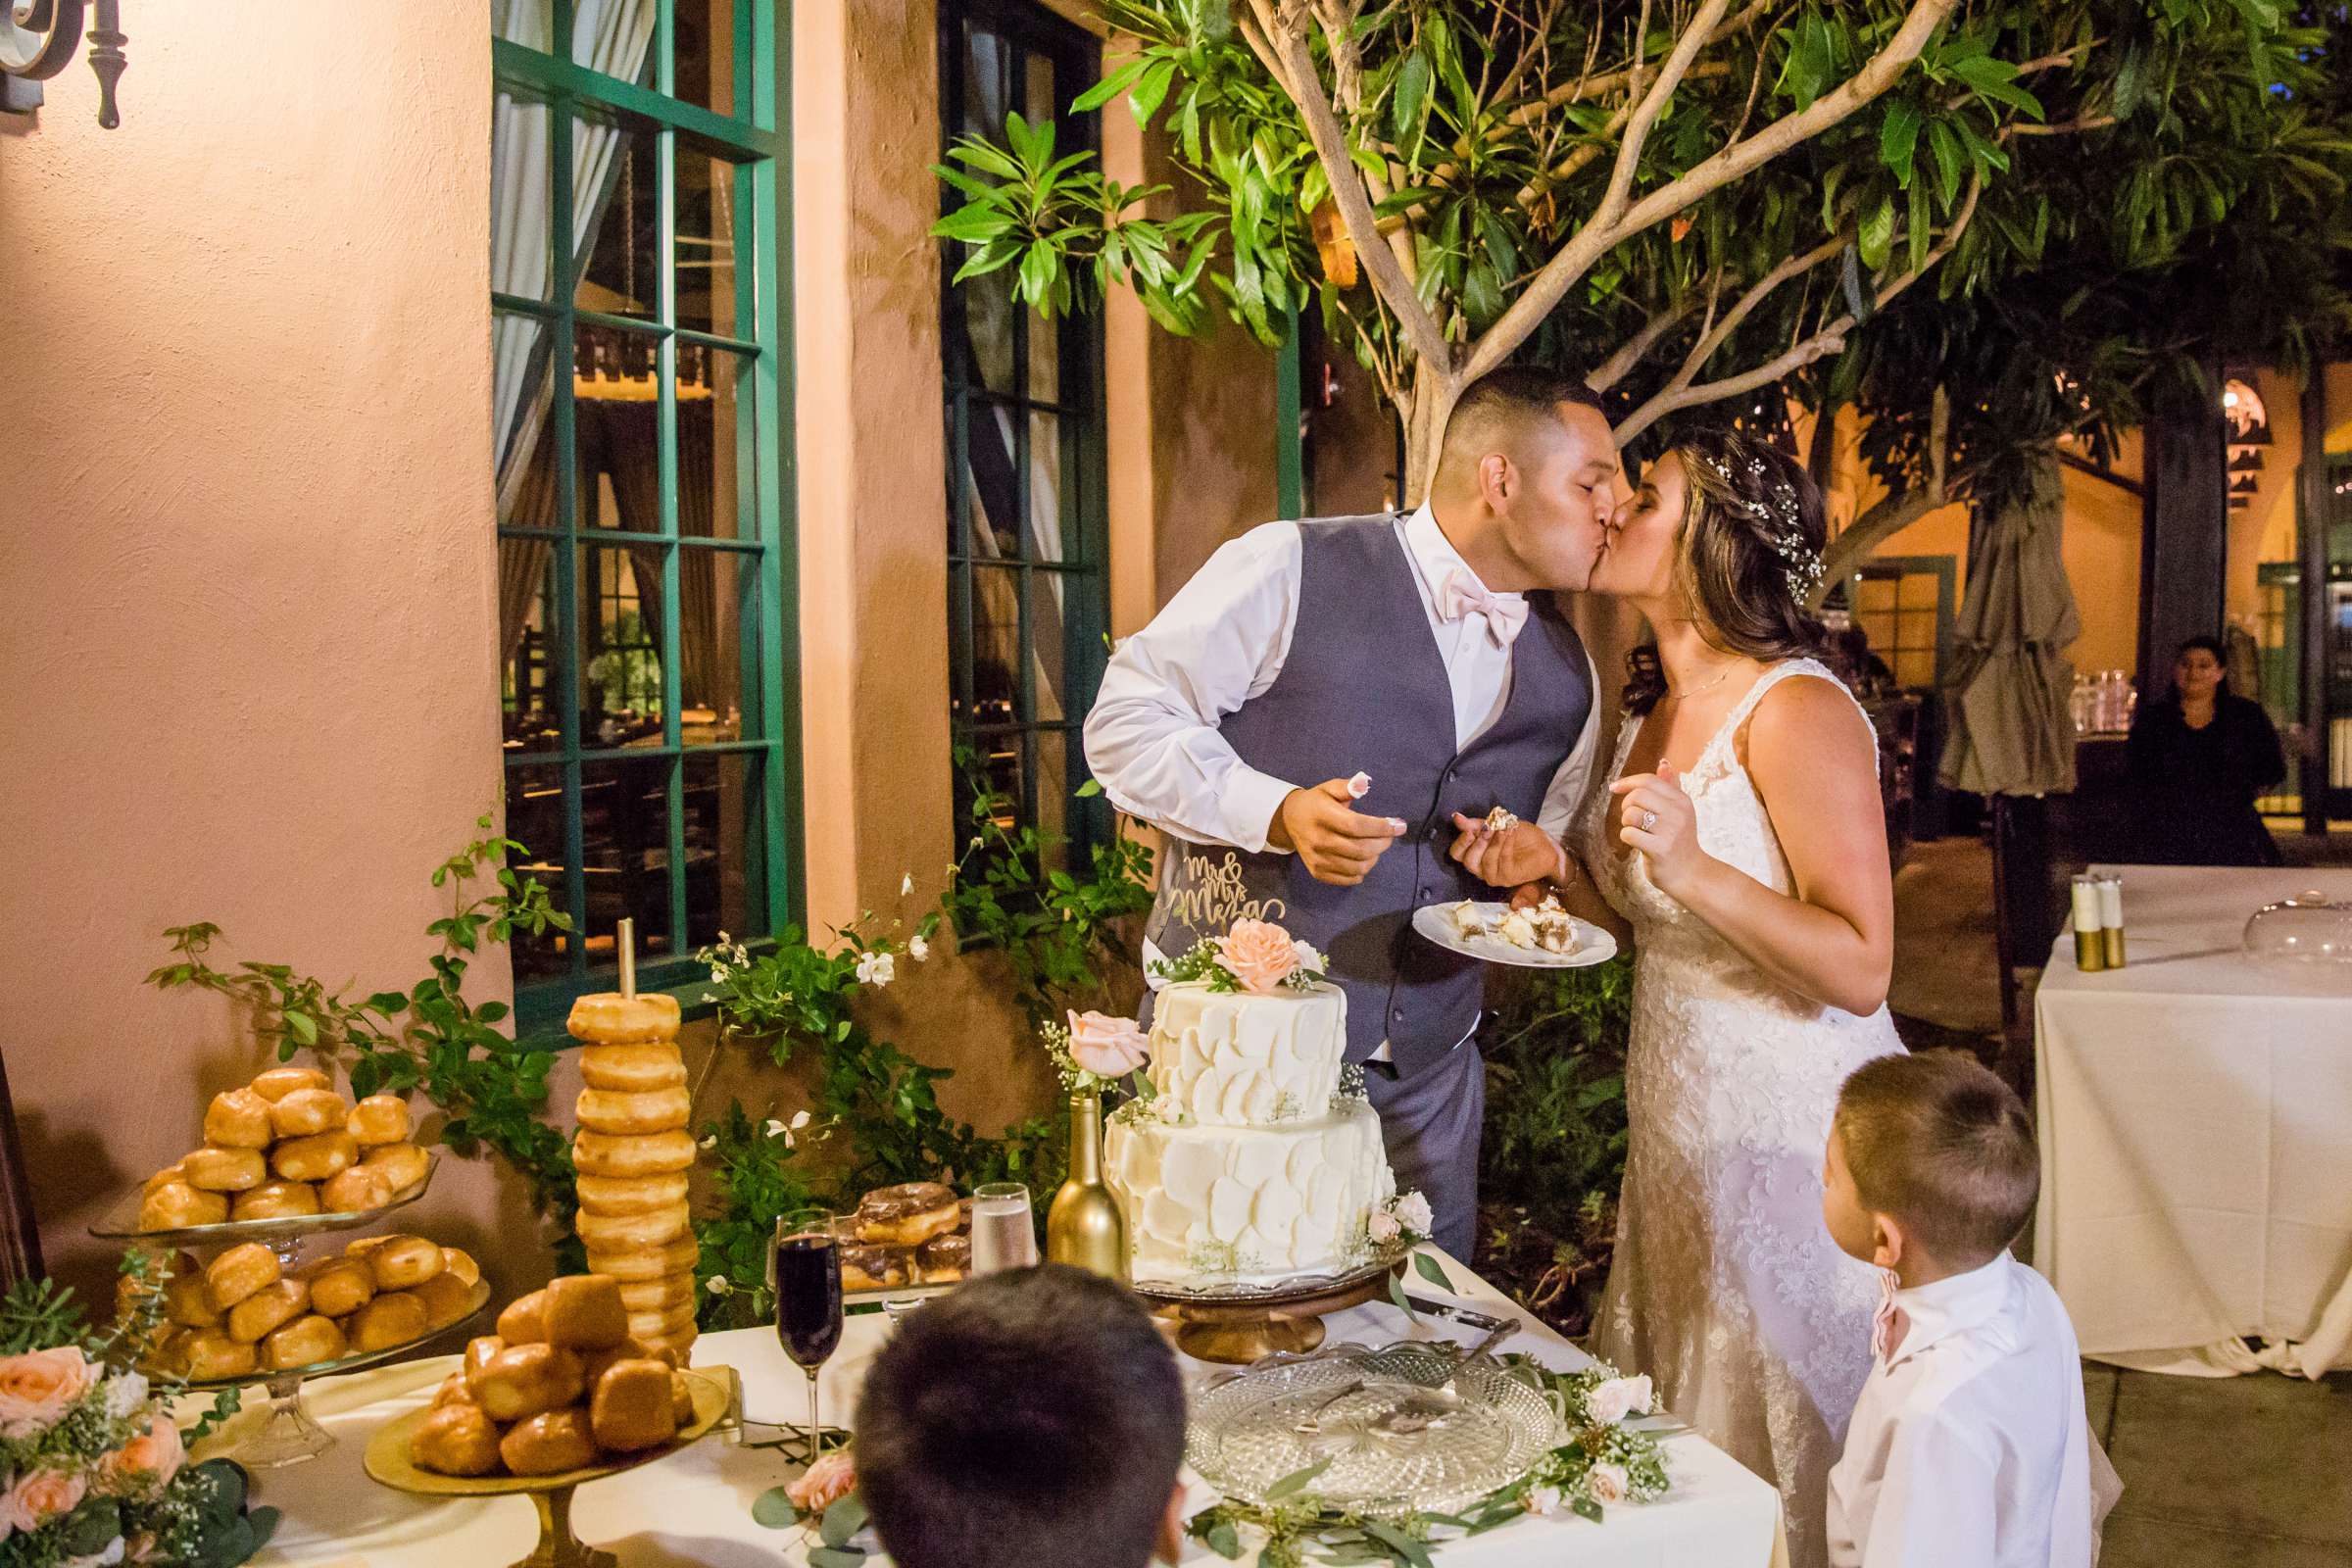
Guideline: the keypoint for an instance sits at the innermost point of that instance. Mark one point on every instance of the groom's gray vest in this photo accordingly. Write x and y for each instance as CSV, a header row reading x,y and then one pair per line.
x,y
1365,689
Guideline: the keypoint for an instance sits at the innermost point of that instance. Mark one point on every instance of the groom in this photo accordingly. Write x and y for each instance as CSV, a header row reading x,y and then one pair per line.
x,y
1399,646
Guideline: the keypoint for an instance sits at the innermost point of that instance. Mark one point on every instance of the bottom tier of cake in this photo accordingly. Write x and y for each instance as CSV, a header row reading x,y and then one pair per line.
x,y
1215,1206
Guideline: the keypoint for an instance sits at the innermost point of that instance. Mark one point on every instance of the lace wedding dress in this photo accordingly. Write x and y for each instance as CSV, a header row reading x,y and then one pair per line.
x,y
1725,1286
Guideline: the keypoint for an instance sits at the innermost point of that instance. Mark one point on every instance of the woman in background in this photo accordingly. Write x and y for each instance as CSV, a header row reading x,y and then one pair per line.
x,y
2197,762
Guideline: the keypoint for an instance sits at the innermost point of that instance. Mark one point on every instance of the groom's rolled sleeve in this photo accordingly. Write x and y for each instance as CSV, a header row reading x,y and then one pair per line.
x,y
1151,738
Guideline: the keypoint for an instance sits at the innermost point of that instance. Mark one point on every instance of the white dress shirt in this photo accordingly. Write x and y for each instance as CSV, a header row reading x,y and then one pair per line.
x,y
1968,1447
1151,739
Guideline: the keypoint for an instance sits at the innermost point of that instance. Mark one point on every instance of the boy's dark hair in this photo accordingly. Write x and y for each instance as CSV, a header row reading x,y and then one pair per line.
x,y
1034,1417
1940,1143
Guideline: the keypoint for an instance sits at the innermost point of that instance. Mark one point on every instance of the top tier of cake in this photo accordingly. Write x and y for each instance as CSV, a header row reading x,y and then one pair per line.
x,y
1236,1059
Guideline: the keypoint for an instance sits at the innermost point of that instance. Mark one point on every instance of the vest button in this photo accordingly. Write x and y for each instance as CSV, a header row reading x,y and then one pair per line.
x,y
1398,1013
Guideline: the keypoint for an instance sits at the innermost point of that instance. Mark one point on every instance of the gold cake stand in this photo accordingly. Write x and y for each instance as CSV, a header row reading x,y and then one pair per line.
x,y
1238,1324
387,1462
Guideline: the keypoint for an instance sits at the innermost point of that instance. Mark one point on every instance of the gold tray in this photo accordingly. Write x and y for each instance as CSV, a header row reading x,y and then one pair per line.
x,y
121,1222
387,1462
1240,1324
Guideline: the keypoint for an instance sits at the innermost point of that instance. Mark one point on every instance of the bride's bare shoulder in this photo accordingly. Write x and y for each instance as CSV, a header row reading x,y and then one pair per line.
x,y
1806,720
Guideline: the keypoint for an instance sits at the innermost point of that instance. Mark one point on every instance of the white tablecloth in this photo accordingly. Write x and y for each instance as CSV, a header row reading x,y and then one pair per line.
x,y
694,1507
2195,1118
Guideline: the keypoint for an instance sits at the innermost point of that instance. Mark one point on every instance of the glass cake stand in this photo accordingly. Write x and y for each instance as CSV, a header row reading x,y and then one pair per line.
x,y
283,1235
1236,1324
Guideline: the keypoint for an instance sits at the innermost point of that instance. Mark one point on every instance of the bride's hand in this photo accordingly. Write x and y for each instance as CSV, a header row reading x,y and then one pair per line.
x,y
1658,819
1521,852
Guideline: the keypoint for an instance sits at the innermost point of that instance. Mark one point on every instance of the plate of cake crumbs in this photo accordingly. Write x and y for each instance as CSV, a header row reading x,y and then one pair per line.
x,y
1542,936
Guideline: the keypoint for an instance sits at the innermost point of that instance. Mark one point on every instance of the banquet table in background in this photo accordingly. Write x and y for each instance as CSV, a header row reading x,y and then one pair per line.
x,y
694,1507
2195,1113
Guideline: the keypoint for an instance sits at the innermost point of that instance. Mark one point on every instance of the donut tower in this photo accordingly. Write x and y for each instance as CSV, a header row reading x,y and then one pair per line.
x,y
632,1153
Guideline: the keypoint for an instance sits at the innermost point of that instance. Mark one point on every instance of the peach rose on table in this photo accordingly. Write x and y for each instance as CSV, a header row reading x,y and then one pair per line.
x,y
1258,953
1108,1047
1612,1401
38,1388
1608,1483
41,1496
146,1464
825,1483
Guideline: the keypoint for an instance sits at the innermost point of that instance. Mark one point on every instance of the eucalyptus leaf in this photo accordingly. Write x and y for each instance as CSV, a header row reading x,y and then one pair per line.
x,y
775,1510
836,1557
1429,1269
1297,1480
843,1520
1223,1539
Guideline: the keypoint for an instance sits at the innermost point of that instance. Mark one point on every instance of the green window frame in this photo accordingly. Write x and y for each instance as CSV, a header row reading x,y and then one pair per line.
x,y
1028,530
741,560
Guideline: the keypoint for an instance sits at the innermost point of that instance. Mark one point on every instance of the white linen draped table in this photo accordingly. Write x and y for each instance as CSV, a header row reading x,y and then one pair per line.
x,y
695,1506
2195,1112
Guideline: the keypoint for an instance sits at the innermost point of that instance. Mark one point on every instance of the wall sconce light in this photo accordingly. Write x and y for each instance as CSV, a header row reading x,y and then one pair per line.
x,y
37,40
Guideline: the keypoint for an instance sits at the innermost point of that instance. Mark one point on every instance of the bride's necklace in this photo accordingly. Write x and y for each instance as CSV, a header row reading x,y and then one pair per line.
x,y
1692,691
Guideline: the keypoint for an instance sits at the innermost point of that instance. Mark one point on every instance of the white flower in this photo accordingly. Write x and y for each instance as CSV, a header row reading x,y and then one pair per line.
x,y
773,1128
1607,1483
918,947
719,1285
711,1142
1412,1212
875,968
722,939
1612,1401
720,972
801,1119
1544,1499
1308,957
125,1392
1382,1228
905,884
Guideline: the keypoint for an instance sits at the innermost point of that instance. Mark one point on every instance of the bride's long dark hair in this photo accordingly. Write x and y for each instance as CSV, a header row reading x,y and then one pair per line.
x,y
1748,553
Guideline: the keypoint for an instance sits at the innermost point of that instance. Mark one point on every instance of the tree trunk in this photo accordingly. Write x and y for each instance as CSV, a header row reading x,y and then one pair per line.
x,y
1432,405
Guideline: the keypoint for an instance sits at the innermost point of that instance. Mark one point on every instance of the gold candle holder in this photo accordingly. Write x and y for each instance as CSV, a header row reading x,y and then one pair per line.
x,y
2090,945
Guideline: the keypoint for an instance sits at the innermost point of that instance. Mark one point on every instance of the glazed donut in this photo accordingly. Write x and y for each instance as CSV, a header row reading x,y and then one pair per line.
x,y
906,1215
632,1069
354,1191
633,1111
594,1363
548,1444
305,1342
307,1112
238,1273
176,1171
402,1165
268,1309
238,1118
456,1260
315,1158
276,1201
609,1018
341,1285
664,1325
583,1312
596,1154
175,1204
631,1407
452,1389
211,1353
519,1382
392,1317
631,1194
224,1170
279,1082
188,1303
403,1261
945,1258
647,1264
657,1295
446,1300
524,1321
378,1120
455,1439
164,1354
614,1231
478,1351
681,1399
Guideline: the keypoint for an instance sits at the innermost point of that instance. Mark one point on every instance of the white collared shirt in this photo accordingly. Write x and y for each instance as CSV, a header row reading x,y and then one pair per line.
x,y
1969,1447
1151,739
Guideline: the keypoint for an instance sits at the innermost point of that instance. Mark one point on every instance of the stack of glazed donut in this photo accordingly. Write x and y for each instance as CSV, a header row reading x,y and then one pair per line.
x,y
287,1145
632,1153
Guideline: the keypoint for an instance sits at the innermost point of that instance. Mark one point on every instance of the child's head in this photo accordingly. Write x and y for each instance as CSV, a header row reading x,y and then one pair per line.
x,y
1034,1417
1932,1167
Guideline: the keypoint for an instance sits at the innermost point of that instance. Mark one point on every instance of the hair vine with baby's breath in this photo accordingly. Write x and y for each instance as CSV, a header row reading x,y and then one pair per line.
x,y
1782,525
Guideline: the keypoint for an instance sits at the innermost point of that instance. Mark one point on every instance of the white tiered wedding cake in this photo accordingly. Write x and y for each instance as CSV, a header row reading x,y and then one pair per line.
x,y
1250,1162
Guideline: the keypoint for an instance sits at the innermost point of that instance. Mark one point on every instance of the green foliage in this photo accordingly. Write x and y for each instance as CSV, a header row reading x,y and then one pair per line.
x,y
35,1314
429,1038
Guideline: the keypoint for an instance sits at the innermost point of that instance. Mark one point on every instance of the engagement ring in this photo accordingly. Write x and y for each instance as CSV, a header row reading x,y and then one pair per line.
x,y
1650,821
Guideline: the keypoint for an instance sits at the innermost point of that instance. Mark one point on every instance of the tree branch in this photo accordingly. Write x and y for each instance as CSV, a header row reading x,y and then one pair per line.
x,y
1634,349
1894,514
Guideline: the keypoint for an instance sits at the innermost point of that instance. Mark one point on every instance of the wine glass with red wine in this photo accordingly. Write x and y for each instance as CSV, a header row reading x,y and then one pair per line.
x,y
807,1263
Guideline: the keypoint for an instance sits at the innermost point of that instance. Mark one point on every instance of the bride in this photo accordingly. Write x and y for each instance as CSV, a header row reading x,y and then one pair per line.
x,y
1743,848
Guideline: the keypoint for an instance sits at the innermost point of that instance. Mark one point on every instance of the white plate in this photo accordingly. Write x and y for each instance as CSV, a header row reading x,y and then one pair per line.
x,y
1436,922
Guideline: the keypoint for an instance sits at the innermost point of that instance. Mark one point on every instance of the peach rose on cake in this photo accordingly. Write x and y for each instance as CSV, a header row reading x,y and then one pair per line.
x,y
146,1464
41,1496
1258,953
1108,1047
38,1387
825,1483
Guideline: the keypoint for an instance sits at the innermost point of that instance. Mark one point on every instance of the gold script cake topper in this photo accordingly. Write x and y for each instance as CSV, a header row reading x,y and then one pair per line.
x,y
1210,896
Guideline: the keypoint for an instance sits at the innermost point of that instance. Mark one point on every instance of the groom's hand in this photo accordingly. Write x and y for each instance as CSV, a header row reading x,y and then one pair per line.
x,y
1521,852
1337,844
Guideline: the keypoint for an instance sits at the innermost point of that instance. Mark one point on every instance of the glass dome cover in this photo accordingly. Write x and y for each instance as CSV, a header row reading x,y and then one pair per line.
x,y
2307,928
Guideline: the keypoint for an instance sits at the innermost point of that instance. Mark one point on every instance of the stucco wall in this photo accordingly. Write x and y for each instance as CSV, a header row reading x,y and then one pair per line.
x,y
245,521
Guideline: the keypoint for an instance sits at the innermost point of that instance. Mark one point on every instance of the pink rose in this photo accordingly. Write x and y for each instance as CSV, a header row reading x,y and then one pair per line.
x,y
145,1465
1382,1227
1258,953
41,1496
39,1387
1608,1483
1108,1047
832,1478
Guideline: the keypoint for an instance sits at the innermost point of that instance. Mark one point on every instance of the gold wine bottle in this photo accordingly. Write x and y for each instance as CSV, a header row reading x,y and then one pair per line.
x,y
1084,1227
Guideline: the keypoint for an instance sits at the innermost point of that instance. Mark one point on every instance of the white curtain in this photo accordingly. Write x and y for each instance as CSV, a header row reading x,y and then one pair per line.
x,y
607,35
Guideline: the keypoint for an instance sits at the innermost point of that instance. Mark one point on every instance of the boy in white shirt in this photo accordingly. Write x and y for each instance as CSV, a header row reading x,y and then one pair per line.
x,y
1969,1447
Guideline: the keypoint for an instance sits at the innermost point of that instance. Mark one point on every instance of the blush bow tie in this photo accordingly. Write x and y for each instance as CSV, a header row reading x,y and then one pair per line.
x,y
1891,1322
1463,594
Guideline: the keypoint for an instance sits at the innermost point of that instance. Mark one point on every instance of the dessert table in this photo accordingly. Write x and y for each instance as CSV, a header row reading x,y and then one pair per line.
x,y
2195,1113
695,1506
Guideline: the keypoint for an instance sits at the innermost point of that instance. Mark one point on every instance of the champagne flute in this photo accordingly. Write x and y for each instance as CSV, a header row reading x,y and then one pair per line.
x,y
1003,1232
806,1264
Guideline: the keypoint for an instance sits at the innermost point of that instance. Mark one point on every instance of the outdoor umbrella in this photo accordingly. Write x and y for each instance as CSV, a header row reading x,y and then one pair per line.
x,y
2011,732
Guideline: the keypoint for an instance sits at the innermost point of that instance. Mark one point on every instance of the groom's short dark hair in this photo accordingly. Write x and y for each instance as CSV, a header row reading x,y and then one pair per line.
x,y
1510,400
1033,1417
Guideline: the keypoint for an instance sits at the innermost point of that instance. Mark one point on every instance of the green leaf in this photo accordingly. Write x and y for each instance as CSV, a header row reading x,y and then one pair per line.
x,y
1297,1480
1585,1508
1397,1540
1151,91
1878,233
1482,294
302,1027
1411,96
1430,1269
1039,268
1946,148
1109,87
836,1557
2131,80
775,1508
1223,1539
1920,225
1898,138
843,1520
974,223
1089,788
1398,1296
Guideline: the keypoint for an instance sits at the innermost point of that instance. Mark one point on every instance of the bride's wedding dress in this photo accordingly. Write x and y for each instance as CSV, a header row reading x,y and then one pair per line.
x,y
1725,1286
